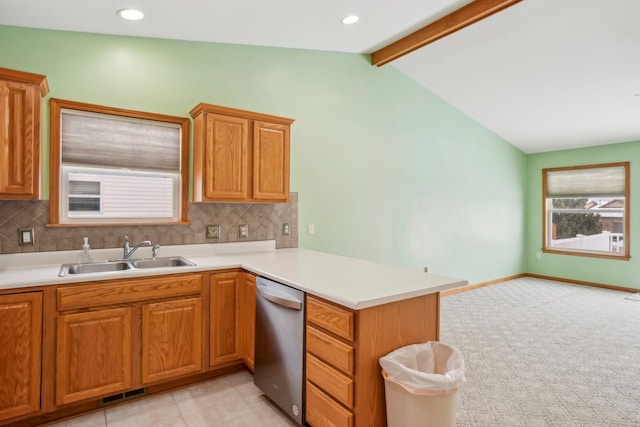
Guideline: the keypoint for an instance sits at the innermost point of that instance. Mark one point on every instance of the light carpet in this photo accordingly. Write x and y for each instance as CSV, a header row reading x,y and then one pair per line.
x,y
544,353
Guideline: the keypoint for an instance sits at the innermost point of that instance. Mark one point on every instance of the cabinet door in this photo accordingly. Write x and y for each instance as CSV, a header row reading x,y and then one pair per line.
x,y
93,354
226,158
247,315
19,140
224,343
270,161
20,357
171,339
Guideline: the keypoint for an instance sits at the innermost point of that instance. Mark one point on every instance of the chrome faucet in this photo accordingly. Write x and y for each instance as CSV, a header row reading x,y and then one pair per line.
x,y
127,252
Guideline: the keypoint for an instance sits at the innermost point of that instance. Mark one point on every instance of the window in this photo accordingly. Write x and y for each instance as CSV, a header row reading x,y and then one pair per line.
x,y
586,210
112,166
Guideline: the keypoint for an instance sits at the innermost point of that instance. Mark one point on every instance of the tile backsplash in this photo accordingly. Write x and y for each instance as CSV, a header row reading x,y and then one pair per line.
x,y
265,221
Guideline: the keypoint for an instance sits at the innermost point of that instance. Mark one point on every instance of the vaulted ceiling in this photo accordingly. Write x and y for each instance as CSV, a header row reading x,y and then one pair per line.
x,y
543,74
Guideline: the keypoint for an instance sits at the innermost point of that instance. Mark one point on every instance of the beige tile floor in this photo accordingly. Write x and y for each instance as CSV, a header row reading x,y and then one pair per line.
x,y
231,401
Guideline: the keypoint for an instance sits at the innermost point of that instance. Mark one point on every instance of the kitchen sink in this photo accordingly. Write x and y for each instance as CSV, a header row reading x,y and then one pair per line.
x,y
123,265
172,261
93,267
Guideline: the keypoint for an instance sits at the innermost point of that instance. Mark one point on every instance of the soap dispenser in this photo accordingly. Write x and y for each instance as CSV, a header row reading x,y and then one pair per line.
x,y
85,256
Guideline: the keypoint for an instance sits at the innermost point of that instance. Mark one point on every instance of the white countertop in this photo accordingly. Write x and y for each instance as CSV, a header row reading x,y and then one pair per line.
x,y
351,282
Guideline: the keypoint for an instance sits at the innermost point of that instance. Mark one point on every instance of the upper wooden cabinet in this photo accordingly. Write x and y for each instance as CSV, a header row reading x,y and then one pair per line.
x,y
270,161
239,156
20,103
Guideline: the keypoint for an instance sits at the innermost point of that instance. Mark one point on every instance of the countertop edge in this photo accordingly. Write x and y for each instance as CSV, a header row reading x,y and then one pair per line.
x,y
362,304
47,275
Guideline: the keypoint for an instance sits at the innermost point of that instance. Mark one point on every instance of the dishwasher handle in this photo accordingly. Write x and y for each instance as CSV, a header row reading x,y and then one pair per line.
x,y
279,299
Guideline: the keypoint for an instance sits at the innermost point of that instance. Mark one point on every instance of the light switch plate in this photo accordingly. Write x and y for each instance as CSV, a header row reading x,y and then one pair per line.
x,y
285,229
244,231
213,231
26,236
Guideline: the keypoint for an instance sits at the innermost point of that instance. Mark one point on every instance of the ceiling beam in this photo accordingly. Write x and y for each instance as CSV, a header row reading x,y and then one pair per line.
x,y
466,15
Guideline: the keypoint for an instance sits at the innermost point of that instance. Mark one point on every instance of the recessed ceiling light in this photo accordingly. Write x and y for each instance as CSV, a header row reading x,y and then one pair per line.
x,y
130,14
351,19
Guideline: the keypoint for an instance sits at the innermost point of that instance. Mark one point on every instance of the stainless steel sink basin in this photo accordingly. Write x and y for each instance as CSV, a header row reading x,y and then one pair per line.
x,y
94,267
123,265
173,261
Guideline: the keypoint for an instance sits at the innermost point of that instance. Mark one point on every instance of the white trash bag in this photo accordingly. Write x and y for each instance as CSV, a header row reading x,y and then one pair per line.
x,y
431,368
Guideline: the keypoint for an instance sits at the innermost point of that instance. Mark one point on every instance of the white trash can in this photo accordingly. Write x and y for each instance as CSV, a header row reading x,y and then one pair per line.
x,y
421,385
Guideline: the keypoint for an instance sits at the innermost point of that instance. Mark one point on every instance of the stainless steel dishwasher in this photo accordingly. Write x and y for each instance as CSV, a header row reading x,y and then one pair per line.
x,y
279,358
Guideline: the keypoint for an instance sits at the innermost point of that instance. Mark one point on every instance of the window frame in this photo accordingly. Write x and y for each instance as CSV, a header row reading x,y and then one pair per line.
x,y
627,217
55,167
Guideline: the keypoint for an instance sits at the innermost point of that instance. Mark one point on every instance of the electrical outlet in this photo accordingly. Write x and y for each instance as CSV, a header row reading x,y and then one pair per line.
x,y
285,229
426,268
213,231
26,236
244,231
538,255
311,229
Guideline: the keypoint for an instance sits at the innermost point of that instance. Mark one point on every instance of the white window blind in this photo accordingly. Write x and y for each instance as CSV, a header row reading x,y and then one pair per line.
x,y
122,142
587,182
130,195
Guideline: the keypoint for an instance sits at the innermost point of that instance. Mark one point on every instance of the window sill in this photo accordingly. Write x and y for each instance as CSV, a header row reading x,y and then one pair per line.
x,y
118,224
587,254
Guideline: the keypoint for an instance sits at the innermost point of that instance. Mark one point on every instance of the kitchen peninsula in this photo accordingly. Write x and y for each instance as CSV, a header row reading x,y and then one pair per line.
x,y
357,311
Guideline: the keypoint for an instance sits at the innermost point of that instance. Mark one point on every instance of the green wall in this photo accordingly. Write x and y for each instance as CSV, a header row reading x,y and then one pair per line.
x,y
386,170
595,270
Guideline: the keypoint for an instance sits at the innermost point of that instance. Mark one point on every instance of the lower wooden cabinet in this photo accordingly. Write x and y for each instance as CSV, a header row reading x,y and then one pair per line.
x,y
113,336
103,350
224,343
171,339
232,318
344,384
20,353
93,354
330,361
247,316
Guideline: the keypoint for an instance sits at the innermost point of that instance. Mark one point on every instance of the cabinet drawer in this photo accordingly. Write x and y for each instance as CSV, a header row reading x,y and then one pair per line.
x,y
334,319
337,385
330,350
122,291
322,411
